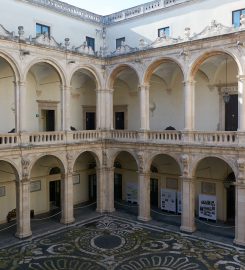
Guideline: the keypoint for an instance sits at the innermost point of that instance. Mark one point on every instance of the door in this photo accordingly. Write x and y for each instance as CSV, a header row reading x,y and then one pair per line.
x,y
54,194
90,120
154,192
231,204
119,120
231,114
117,187
49,120
92,187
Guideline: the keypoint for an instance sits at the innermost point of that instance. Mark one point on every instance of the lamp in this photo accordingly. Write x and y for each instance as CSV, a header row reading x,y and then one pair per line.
x,y
226,95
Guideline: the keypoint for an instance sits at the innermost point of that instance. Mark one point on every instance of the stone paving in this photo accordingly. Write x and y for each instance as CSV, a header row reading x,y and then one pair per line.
x,y
112,242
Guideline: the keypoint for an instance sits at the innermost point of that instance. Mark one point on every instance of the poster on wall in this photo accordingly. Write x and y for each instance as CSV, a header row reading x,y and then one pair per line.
x,y
132,193
207,206
168,200
179,203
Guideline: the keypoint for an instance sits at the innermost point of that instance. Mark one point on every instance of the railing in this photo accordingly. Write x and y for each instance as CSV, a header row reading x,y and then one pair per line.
x,y
9,139
220,138
164,136
215,138
46,138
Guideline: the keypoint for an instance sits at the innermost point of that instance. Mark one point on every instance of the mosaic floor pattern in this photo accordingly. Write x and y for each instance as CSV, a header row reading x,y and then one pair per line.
x,y
114,243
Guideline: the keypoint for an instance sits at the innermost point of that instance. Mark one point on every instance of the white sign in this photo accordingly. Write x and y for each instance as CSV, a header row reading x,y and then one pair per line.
x,y
168,200
132,193
179,203
207,206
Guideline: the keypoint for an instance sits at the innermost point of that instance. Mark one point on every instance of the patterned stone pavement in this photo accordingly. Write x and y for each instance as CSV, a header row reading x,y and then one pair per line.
x,y
108,242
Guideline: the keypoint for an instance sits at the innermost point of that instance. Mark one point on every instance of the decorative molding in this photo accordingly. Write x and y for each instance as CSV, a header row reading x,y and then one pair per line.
x,y
45,40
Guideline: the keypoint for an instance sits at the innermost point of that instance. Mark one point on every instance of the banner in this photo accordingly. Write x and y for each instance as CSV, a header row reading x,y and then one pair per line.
x,y
168,200
207,206
132,192
179,203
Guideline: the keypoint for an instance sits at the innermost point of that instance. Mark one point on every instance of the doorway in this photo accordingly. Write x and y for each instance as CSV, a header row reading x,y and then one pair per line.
x,y
231,198
90,120
231,114
54,194
154,192
92,187
117,187
119,120
48,117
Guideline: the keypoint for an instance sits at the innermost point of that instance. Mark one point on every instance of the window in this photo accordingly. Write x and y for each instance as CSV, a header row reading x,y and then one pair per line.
x,y
163,32
119,42
236,15
90,42
42,29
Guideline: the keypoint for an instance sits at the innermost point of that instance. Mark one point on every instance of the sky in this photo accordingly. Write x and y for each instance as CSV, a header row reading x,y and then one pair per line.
x,y
105,7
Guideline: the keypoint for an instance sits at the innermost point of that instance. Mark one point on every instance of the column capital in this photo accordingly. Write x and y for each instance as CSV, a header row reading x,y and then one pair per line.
x,y
241,77
104,90
189,82
144,87
66,87
187,179
20,83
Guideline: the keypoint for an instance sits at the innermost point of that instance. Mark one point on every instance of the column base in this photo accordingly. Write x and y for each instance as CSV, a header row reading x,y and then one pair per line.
x,y
144,219
239,243
67,221
102,211
188,229
23,235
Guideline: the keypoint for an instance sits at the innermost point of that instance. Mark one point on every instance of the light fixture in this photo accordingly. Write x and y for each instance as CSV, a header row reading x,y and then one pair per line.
x,y
226,95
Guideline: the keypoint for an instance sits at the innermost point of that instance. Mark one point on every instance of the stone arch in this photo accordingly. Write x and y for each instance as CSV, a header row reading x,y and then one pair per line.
x,y
115,154
113,74
197,161
60,162
14,167
61,73
92,70
154,155
156,63
94,155
194,66
14,66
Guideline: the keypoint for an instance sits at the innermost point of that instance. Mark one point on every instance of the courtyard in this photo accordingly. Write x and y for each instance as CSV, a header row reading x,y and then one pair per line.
x,y
116,241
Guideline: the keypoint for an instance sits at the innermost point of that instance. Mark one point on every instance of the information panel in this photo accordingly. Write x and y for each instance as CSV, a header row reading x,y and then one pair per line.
x,y
132,192
179,203
207,206
168,200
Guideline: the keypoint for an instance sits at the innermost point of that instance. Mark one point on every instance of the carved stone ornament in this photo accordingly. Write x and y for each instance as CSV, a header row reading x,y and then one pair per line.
x,y
25,162
5,33
140,157
241,170
186,165
70,157
45,40
104,158
123,49
85,49
163,41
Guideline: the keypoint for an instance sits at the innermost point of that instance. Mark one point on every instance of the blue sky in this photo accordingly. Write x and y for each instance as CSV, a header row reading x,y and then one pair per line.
x,y
105,7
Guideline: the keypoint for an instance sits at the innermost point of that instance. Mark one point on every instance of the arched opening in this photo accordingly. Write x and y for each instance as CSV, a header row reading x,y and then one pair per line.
x,y
216,93
213,201
166,96
83,100
126,100
43,99
46,186
8,195
85,180
126,183
165,189
7,98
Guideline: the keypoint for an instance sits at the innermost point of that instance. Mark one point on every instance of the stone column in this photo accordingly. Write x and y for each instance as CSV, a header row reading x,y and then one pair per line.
x,y
17,106
240,213
144,107
109,188
144,196
241,103
67,112
104,109
189,92
188,205
67,212
23,208
62,107
100,190
21,90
